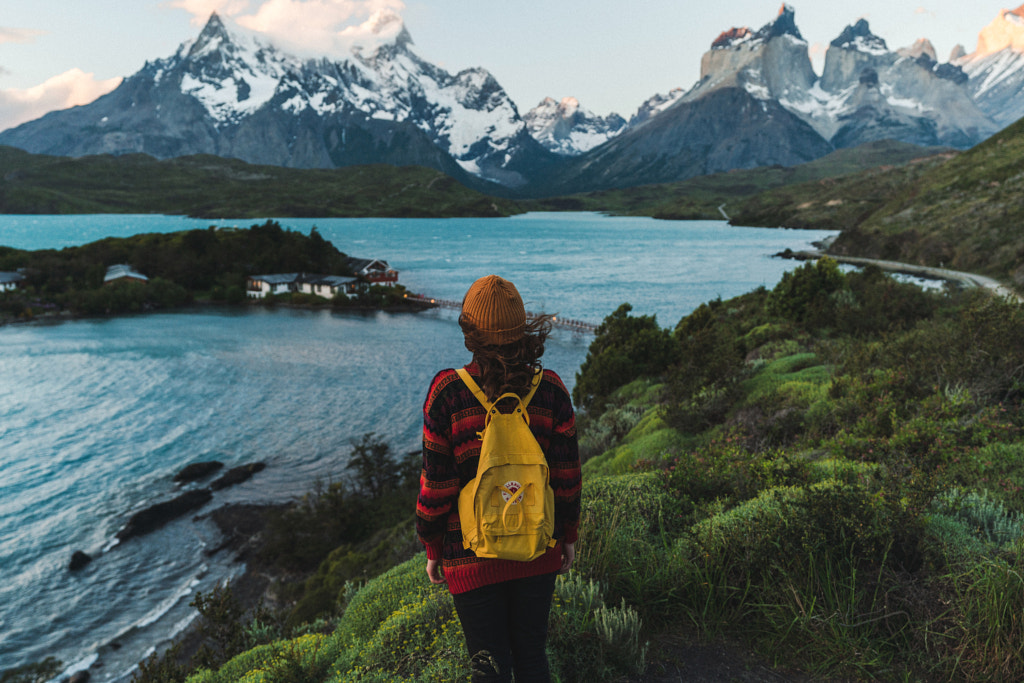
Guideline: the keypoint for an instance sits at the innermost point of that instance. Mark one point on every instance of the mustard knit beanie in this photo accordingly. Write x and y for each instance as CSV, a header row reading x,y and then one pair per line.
x,y
494,307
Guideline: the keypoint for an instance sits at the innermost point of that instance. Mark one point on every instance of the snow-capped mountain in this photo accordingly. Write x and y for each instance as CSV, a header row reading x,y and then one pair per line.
x,y
655,105
866,92
759,102
567,128
229,93
996,67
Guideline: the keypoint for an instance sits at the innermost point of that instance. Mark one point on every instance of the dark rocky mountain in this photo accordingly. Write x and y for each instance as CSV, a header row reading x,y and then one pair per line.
x,y
230,94
727,129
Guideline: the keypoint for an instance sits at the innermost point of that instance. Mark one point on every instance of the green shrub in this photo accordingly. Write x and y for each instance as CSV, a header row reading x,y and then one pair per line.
x,y
626,525
625,348
984,516
401,626
590,641
990,621
809,295
306,659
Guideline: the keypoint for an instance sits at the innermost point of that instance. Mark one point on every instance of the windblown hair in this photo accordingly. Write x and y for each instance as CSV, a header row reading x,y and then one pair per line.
x,y
508,367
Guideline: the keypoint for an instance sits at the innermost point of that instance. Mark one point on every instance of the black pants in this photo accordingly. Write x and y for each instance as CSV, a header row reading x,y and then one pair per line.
x,y
508,622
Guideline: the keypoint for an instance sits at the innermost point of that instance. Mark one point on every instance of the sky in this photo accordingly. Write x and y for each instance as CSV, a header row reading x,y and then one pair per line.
x,y
611,55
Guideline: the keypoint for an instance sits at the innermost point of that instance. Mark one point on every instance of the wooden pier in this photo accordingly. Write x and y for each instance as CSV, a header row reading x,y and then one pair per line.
x,y
558,321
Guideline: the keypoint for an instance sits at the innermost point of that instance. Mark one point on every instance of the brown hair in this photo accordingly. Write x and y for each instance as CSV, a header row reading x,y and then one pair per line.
x,y
509,367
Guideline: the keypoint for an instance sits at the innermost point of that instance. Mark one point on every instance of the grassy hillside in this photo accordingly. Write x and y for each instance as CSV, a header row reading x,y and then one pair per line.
x,y
960,211
966,213
213,187
829,472
699,198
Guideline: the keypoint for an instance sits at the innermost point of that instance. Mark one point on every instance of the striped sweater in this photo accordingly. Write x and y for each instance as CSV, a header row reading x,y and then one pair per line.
x,y
452,416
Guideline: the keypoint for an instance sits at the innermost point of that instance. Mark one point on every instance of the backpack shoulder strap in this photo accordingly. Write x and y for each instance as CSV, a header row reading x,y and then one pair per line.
x,y
475,388
482,397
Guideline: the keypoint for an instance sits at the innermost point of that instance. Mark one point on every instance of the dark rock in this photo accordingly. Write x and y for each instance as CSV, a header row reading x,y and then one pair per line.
x,y
197,470
79,677
236,475
156,516
79,560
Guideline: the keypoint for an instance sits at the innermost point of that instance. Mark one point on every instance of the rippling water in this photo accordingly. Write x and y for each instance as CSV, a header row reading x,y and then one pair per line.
x,y
97,415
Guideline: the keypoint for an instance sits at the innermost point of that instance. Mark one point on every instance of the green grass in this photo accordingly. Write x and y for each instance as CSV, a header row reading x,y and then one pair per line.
x,y
212,187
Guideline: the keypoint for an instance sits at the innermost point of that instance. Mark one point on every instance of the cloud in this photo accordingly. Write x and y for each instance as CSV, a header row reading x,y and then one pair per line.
x,y
202,9
18,35
318,27
924,10
69,89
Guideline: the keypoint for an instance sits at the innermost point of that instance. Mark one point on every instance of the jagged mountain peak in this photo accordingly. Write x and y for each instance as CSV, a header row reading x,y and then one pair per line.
x,y
567,128
1005,31
384,29
858,36
922,47
784,24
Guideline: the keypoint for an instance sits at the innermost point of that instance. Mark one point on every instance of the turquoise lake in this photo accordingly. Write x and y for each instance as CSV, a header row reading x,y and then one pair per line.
x,y
97,415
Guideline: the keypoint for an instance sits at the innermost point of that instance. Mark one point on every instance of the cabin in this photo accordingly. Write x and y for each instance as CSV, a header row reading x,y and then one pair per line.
x,y
122,272
329,286
259,286
326,286
374,271
10,281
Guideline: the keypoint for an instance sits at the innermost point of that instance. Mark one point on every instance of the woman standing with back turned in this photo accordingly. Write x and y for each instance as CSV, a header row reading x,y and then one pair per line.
x,y
503,604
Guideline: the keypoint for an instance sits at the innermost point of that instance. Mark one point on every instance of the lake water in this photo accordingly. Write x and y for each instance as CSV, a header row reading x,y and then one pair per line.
x,y
96,416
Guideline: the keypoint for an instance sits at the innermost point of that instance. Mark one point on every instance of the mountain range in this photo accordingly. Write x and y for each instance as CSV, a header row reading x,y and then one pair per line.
x,y
758,102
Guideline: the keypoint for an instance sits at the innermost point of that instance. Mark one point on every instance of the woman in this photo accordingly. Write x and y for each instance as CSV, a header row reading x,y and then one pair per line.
x,y
503,604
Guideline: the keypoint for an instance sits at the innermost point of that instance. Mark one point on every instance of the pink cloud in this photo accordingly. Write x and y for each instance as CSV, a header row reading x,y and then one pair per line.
x,y
202,9
69,89
18,35
316,27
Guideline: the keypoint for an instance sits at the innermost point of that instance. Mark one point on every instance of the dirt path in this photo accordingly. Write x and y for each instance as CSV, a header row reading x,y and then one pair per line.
x,y
957,276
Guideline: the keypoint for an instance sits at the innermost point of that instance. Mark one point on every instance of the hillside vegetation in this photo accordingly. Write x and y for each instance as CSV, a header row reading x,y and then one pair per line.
x,y
960,211
182,267
212,187
700,198
830,472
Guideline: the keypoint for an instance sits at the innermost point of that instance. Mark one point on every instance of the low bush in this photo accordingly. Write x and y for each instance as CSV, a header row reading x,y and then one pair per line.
x,y
590,641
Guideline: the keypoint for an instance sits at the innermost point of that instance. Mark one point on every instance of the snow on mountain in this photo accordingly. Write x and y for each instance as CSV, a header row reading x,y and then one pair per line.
x,y
234,94
231,75
996,67
865,92
655,105
771,63
568,129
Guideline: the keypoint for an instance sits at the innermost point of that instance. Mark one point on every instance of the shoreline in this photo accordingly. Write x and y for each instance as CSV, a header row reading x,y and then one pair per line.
x,y
55,318
961,278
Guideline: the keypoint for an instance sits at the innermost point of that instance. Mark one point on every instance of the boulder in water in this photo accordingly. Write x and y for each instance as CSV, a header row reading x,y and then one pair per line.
x,y
155,516
197,470
78,560
236,475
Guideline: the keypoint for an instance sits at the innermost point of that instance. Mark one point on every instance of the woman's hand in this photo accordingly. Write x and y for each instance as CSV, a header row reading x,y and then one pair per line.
x,y
568,555
434,572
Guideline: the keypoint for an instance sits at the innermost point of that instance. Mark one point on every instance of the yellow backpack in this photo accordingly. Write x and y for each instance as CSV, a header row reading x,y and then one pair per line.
x,y
508,510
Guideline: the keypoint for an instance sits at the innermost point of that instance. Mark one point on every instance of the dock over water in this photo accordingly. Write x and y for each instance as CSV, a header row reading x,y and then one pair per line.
x,y
558,321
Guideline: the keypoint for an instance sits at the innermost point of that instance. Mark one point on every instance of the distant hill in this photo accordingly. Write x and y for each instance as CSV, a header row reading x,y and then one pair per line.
x,y
700,197
965,213
211,187
958,210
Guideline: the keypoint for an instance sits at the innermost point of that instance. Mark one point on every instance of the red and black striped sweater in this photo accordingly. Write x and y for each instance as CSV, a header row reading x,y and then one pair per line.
x,y
451,450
